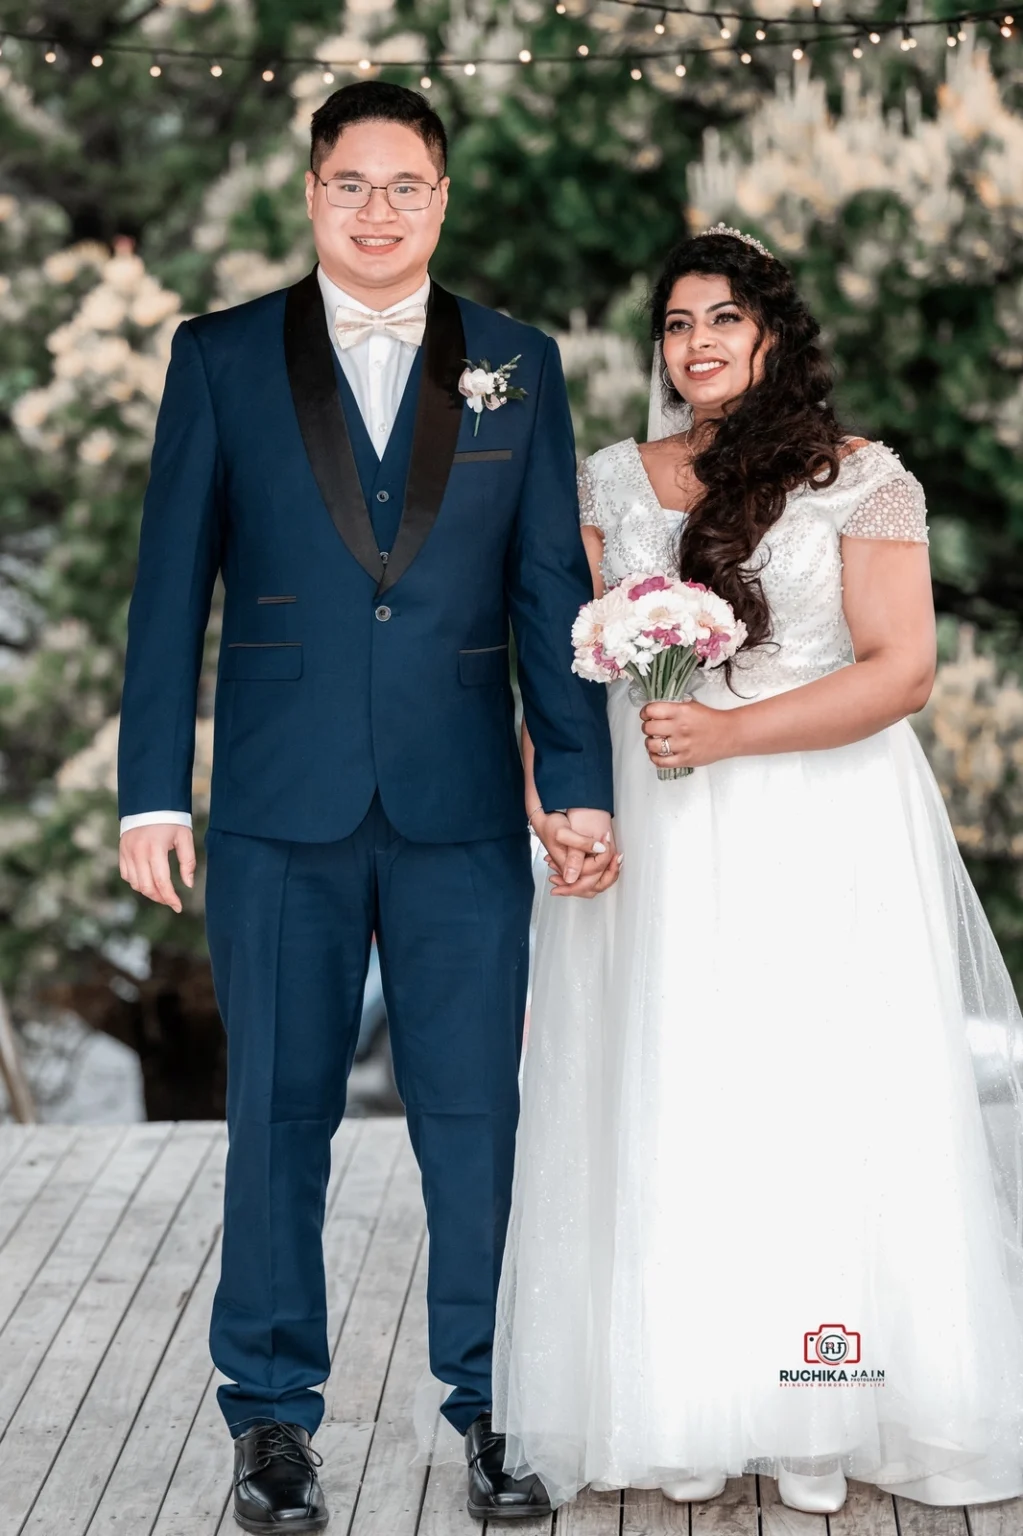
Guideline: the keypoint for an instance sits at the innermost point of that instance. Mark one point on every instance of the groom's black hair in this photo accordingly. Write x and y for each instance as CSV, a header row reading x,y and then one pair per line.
x,y
367,101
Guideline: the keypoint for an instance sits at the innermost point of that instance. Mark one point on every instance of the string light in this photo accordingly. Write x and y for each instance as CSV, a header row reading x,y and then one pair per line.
x,y
50,55
525,56
636,73
1006,28
582,51
907,40
798,51
723,27
745,58
216,71
761,33
560,8
364,65
961,34
328,77
660,25
470,69
426,82
951,39
857,52
155,71
875,37
97,61
268,75
680,69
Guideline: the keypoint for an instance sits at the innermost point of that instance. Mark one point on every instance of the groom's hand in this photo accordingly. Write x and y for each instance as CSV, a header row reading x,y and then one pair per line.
x,y
590,862
144,858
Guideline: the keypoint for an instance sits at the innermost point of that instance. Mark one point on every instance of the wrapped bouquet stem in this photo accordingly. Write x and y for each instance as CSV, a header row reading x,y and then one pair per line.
x,y
658,631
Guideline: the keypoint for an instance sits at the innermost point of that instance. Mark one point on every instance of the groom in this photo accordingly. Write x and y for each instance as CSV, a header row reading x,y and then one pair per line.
x,y
313,447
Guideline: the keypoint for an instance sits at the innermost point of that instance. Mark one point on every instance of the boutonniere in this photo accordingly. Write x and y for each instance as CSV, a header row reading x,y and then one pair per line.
x,y
485,386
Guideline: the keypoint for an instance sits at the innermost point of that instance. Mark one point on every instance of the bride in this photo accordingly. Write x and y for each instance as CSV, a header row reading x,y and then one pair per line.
x,y
768,1201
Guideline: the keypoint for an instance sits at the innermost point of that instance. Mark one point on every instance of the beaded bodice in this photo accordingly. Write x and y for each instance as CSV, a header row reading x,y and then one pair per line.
x,y
799,559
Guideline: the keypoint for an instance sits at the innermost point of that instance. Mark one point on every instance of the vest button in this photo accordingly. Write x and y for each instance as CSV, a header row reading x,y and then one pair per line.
x,y
383,495
383,613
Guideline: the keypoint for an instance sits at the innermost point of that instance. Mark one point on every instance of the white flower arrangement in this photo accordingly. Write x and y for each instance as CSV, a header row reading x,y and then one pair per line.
x,y
488,387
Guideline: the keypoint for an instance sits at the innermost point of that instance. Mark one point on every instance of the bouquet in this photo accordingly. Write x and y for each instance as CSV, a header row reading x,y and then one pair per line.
x,y
657,631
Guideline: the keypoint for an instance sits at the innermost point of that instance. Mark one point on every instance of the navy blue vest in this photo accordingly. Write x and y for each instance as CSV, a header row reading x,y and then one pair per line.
x,y
383,480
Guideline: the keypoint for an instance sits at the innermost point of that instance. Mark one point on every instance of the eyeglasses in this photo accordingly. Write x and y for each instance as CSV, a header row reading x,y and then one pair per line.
x,y
405,196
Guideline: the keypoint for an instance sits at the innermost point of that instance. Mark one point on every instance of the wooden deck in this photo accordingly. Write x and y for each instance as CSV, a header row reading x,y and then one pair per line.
x,y
108,1416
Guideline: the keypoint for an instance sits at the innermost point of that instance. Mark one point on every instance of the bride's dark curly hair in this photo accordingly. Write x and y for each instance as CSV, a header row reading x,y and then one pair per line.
x,y
777,435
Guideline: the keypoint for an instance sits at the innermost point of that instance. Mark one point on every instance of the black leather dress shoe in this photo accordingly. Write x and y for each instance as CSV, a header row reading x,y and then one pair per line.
x,y
275,1482
493,1493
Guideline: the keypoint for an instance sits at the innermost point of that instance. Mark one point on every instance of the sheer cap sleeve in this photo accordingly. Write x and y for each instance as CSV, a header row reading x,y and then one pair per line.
x,y
885,501
589,501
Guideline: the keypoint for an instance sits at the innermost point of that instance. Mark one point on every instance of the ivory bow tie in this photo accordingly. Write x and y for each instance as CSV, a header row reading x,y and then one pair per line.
x,y
353,325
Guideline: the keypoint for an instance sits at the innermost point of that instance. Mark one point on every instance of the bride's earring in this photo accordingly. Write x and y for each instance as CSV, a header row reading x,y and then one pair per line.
x,y
666,378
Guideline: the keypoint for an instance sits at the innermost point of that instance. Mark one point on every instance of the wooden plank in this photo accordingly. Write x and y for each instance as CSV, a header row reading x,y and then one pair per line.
x,y
38,1429
590,1514
87,1457
444,1512
392,1489
14,1143
646,1512
733,1513
43,1308
31,1171
41,1226
931,1519
1002,1519
135,1493
866,1512
198,1493
778,1520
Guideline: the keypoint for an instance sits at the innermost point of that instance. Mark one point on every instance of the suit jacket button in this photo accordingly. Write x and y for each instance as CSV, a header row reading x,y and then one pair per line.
x,y
383,495
383,613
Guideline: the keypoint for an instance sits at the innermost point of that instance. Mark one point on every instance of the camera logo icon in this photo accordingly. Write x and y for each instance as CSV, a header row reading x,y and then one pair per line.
x,y
832,1344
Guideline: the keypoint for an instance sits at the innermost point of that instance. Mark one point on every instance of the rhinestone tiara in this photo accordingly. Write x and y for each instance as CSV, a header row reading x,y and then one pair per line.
x,y
737,234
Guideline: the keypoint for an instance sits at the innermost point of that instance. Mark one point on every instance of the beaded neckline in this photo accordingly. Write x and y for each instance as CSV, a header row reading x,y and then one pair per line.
x,y
670,511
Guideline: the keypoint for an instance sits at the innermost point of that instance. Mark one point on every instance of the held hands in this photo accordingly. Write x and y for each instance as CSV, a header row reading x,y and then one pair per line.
x,y
581,852
695,734
144,857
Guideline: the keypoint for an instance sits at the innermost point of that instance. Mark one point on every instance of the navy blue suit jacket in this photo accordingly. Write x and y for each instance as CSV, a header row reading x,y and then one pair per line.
x,y
366,618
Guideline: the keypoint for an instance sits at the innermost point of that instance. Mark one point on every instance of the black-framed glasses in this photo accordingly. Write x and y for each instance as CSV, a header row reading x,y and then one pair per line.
x,y
406,196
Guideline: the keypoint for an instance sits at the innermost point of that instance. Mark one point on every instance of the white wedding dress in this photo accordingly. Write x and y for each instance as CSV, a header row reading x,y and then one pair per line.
x,y
772,1083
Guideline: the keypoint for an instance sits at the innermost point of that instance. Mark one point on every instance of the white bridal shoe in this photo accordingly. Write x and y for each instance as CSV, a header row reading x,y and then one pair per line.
x,y
692,1490
820,1495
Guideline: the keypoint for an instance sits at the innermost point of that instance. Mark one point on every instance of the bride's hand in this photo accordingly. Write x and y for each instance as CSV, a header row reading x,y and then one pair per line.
x,y
695,734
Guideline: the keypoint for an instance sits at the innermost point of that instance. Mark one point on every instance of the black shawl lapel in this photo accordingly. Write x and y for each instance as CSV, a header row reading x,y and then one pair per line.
x,y
310,364
438,419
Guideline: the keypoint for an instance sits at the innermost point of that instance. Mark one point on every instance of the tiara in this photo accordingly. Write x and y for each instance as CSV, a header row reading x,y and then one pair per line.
x,y
737,234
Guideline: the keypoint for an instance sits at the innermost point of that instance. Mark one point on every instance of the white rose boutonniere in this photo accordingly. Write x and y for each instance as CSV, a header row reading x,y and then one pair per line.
x,y
485,386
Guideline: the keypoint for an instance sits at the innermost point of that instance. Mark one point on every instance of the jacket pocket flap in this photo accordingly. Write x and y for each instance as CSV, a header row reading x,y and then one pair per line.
x,y
481,455
490,665
269,660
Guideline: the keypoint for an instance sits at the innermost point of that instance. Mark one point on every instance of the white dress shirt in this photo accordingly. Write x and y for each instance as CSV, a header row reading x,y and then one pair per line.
x,y
377,370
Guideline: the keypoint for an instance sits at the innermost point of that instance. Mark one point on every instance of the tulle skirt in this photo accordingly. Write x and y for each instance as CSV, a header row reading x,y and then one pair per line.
x,y
768,1197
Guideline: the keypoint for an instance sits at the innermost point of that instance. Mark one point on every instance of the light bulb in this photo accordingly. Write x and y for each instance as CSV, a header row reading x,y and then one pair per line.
x,y
875,37
797,52
761,34
680,70
97,61
525,56
470,69
745,58
582,50
155,71
425,82
328,77
637,74
216,71
268,75
50,55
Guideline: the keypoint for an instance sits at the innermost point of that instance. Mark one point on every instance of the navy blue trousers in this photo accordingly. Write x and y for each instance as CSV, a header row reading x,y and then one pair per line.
x,y
289,928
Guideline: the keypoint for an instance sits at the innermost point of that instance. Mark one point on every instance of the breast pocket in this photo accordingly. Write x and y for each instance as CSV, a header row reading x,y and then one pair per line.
x,y
478,668
262,660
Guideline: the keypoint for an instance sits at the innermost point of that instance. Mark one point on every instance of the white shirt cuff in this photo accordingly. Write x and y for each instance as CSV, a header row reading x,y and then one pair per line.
x,y
155,818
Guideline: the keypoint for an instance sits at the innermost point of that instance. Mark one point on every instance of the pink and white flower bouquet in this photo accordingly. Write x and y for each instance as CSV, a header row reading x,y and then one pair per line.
x,y
656,630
